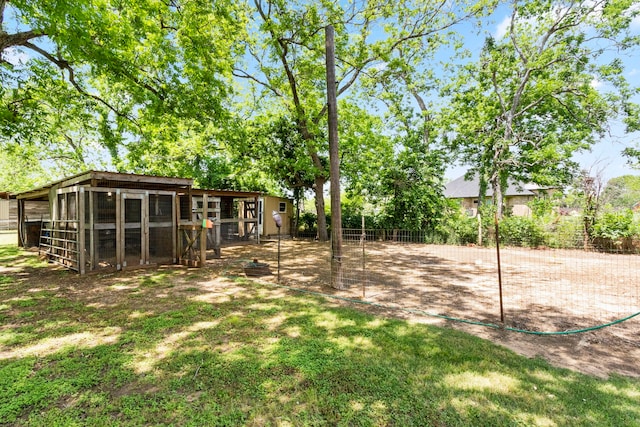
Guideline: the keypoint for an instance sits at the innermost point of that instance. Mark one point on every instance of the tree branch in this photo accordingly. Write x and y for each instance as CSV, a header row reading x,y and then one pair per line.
x,y
237,72
282,50
18,39
64,65
415,34
3,3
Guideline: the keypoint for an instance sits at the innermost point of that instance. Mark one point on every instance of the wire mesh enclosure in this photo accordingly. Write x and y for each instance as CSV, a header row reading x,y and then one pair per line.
x,y
127,227
161,214
542,289
104,225
106,220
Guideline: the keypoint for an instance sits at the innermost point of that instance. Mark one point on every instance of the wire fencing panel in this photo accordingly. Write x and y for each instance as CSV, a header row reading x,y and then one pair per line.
x,y
398,268
303,263
565,289
543,289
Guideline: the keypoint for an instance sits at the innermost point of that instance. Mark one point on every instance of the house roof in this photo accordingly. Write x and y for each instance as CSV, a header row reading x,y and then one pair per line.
x,y
128,180
461,188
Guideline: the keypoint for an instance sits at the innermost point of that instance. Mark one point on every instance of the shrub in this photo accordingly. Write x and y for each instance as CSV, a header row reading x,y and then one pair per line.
x,y
565,232
615,231
455,227
465,230
615,225
541,206
521,231
308,222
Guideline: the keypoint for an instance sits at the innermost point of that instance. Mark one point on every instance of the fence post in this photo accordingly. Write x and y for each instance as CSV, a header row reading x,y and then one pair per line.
x,y
499,267
363,238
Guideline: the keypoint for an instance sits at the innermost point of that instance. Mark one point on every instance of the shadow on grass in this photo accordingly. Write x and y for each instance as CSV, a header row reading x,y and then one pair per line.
x,y
183,346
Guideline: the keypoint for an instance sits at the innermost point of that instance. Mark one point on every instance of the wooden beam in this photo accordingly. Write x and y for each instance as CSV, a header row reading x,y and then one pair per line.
x,y
178,246
21,224
81,228
92,237
144,227
35,194
119,231
174,226
203,235
141,179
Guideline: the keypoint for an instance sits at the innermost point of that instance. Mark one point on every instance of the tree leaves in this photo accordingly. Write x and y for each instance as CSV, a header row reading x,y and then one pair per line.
x,y
147,73
530,103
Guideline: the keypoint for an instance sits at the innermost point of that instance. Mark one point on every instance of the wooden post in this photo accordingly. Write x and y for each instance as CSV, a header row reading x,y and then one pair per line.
x,y
334,161
92,238
81,244
203,235
54,211
119,230
144,227
218,228
177,251
174,226
256,215
242,213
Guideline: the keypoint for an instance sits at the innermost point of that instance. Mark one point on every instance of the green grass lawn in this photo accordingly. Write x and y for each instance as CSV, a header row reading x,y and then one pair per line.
x,y
186,347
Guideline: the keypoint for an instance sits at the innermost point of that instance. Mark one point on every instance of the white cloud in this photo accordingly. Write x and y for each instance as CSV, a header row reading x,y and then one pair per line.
x,y
15,56
595,83
380,66
502,28
635,22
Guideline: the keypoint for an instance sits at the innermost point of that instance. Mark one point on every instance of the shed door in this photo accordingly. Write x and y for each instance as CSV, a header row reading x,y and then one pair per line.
x,y
134,236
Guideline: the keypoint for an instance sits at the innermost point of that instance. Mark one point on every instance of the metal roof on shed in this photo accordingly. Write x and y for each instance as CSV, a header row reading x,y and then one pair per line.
x,y
128,180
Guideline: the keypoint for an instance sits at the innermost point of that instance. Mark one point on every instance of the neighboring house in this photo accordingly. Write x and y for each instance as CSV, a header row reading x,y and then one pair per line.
x,y
516,197
284,208
106,220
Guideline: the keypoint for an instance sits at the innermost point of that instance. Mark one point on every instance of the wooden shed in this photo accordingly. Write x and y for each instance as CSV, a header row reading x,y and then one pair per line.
x,y
284,208
34,212
106,220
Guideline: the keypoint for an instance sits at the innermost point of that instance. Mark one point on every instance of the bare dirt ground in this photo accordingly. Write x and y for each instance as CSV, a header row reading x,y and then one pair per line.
x,y
545,292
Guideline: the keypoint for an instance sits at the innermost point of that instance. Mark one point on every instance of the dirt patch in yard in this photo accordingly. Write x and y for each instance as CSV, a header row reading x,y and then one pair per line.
x,y
545,293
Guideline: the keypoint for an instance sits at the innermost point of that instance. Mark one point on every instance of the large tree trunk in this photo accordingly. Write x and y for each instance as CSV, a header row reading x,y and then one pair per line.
x,y
498,200
323,235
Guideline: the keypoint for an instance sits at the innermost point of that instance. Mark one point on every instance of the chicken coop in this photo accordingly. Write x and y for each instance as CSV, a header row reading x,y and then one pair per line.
x,y
106,220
